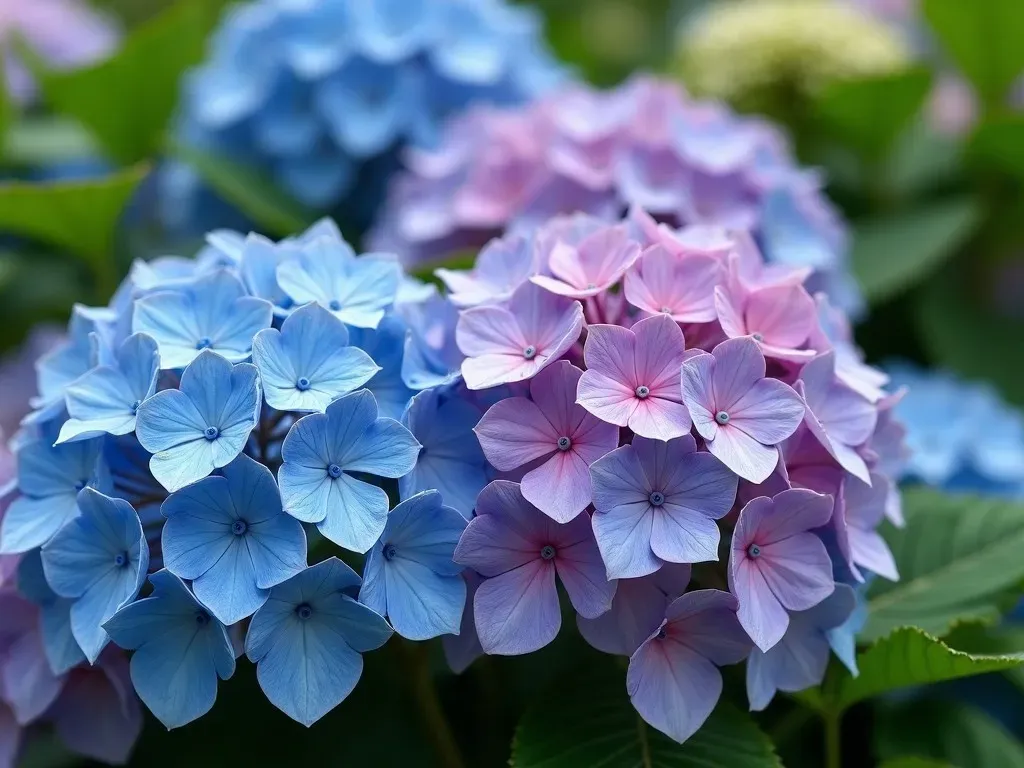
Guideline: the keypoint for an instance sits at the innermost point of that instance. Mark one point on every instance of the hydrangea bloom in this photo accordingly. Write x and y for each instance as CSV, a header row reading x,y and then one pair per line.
x,y
645,143
321,94
690,411
174,436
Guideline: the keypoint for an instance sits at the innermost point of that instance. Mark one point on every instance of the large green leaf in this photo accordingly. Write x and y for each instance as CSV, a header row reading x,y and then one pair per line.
x,y
127,100
998,144
909,657
250,191
957,555
40,141
79,216
914,762
983,37
969,339
945,731
589,721
869,113
892,253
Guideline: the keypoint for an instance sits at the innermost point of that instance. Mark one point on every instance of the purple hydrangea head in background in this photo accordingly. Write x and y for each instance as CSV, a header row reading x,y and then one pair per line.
x,y
720,422
645,143
66,34
320,95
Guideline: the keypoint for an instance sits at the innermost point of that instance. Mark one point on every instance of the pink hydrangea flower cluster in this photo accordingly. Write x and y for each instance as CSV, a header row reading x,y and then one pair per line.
x,y
662,398
645,143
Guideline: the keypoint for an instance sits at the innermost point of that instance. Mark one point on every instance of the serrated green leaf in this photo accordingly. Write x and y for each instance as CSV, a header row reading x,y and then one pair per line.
x,y
969,339
127,100
272,209
870,112
79,216
589,721
908,657
998,144
945,733
892,253
956,556
983,38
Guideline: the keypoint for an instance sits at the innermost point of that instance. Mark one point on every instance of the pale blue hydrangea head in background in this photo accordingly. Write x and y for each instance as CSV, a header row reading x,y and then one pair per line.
x,y
319,94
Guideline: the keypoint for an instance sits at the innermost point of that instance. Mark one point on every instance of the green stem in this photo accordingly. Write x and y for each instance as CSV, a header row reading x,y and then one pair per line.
x,y
414,656
791,724
833,751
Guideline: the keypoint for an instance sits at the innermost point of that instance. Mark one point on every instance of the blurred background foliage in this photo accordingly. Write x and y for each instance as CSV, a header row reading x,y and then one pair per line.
x,y
932,188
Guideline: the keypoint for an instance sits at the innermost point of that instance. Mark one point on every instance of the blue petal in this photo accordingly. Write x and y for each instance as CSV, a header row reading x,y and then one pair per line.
x,y
105,400
790,237
423,604
385,345
470,47
317,42
432,358
229,588
179,651
212,312
259,261
309,663
30,522
357,513
59,644
394,30
100,559
423,530
317,178
65,363
307,364
386,449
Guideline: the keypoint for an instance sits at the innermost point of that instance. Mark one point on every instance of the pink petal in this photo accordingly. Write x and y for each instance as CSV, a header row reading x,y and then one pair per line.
x,y
659,419
10,737
743,454
786,353
492,370
463,649
684,286
728,308
817,376
489,331
606,398
560,487
696,386
551,323
561,288
790,513
705,620
673,688
554,392
490,546
606,254
798,570
770,411
609,350
784,315
738,364
565,264
870,551
514,432
593,438
760,613
517,612
658,355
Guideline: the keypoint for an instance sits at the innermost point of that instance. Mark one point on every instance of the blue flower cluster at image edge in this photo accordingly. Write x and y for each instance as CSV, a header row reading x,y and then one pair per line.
x,y
198,429
321,92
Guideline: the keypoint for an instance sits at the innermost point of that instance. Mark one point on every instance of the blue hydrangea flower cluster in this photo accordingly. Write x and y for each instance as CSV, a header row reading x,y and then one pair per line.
x,y
321,93
961,436
195,440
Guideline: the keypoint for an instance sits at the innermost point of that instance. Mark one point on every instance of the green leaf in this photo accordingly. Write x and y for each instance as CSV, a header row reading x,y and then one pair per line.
x,y
892,253
983,37
127,101
921,159
251,192
909,657
953,733
35,141
998,144
968,339
869,113
957,555
80,216
914,762
589,721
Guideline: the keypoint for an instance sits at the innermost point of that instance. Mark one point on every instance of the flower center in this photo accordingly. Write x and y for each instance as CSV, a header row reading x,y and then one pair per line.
x,y
757,337
591,286
642,391
302,384
666,310
657,498
211,433
335,305
530,352
135,406
334,471
204,343
81,484
389,551
564,443
661,633
202,619
754,551
722,417
239,527
121,559
304,611
547,552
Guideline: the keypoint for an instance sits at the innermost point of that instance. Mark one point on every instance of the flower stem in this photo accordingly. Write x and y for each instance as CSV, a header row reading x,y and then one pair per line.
x,y
833,753
415,658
